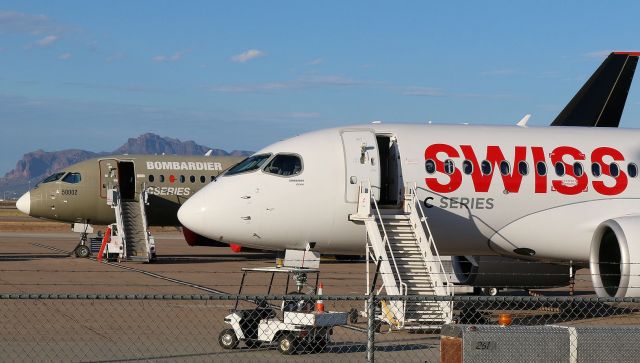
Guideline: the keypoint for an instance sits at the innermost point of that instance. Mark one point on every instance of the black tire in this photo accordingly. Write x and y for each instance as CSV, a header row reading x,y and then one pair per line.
x,y
490,291
82,251
228,339
353,316
287,344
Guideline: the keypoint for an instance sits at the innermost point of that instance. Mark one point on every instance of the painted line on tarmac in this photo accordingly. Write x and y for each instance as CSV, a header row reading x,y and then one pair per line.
x,y
147,273
170,279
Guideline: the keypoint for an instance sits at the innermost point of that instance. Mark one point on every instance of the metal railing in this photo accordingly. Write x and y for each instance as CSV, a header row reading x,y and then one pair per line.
x,y
431,245
402,287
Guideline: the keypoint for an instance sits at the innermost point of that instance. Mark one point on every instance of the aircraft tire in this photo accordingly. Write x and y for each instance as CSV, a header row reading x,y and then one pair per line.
x,y
353,316
82,251
490,291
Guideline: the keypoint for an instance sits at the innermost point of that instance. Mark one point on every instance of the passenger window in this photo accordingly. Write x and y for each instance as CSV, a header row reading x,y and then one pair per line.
x,y
523,168
541,168
596,169
182,178
615,170
192,179
632,170
467,167
559,168
486,168
213,178
249,164
430,166
449,167
505,168
284,165
72,178
151,178
202,179
577,169
161,178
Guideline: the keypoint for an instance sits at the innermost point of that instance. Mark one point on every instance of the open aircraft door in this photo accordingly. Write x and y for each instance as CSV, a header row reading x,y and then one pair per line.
x,y
108,175
362,162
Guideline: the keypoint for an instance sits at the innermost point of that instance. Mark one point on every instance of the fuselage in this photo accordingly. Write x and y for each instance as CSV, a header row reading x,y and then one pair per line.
x,y
534,192
78,193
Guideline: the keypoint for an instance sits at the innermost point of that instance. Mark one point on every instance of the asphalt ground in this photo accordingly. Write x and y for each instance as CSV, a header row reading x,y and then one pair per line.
x,y
40,261
35,257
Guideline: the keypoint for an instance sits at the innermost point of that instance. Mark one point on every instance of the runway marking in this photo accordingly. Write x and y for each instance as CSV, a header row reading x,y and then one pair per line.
x,y
147,273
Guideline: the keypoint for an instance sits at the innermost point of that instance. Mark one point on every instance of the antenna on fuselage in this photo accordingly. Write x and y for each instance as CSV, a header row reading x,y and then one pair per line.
x,y
208,153
524,120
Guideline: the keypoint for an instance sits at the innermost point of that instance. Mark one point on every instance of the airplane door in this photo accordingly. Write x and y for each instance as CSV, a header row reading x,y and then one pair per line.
x,y
108,175
362,163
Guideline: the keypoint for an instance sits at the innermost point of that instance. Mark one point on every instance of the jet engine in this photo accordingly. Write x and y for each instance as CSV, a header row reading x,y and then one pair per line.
x,y
494,272
614,258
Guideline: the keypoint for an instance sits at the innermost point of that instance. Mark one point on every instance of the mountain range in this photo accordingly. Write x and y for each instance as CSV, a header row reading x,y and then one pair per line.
x,y
36,165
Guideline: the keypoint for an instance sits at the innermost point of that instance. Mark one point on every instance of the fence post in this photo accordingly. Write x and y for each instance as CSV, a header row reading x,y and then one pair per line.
x,y
371,327
371,315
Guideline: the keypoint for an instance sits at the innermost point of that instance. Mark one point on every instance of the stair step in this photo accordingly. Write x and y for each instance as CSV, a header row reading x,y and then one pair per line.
x,y
390,211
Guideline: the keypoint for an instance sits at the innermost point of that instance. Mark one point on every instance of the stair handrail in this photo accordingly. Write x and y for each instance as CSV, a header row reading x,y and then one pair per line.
x,y
402,287
117,206
143,213
431,242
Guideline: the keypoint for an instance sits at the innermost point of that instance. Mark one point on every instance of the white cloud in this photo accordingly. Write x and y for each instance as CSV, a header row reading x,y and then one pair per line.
x,y
499,72
598,54
304,114
47,41
115,57
423,91
169,58
248,55
64,56
315,62
248,88
15,22
330,81
304,82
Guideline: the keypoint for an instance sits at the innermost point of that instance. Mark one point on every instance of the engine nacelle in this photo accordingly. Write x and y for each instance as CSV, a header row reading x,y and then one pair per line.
x,y
614,258
500,272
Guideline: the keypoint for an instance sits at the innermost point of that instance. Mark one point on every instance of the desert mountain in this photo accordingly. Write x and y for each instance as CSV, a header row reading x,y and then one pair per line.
x,y
38,164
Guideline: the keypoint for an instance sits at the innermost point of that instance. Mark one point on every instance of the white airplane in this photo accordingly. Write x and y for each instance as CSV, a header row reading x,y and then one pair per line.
x,y
552,194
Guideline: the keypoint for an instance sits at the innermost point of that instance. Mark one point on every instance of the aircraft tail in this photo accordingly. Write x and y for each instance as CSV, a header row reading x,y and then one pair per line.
x,y
601,99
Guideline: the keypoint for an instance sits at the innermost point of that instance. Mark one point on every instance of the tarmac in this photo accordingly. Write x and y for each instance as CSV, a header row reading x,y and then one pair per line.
x,y
35,257
34,260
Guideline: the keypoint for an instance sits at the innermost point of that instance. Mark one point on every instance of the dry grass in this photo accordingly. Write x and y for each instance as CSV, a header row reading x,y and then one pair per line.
x,y
11,213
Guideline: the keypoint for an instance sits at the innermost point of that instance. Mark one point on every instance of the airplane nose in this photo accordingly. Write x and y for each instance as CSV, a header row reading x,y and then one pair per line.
x,y
193,215
24,203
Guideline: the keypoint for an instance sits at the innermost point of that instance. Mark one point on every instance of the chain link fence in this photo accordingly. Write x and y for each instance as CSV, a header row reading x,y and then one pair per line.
x,y
264,328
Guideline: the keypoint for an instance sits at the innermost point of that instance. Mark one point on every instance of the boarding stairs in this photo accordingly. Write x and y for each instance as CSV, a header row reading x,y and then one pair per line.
x,y
132,226
410,264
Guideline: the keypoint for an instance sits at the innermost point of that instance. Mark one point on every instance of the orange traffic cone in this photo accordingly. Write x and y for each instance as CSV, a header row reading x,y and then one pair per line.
x,y
320,303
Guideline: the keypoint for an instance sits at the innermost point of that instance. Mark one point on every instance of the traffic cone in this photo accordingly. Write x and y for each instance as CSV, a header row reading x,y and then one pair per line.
x,y
320,303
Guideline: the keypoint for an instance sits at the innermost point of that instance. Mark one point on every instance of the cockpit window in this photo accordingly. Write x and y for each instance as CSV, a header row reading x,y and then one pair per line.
x,y
284,165
72,178
249,164
52,178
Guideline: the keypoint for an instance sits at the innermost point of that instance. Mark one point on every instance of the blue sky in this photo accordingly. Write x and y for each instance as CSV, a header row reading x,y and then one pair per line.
x,y
244,74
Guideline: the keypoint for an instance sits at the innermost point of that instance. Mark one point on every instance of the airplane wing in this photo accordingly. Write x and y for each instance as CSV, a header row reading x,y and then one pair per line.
x,y
601,99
